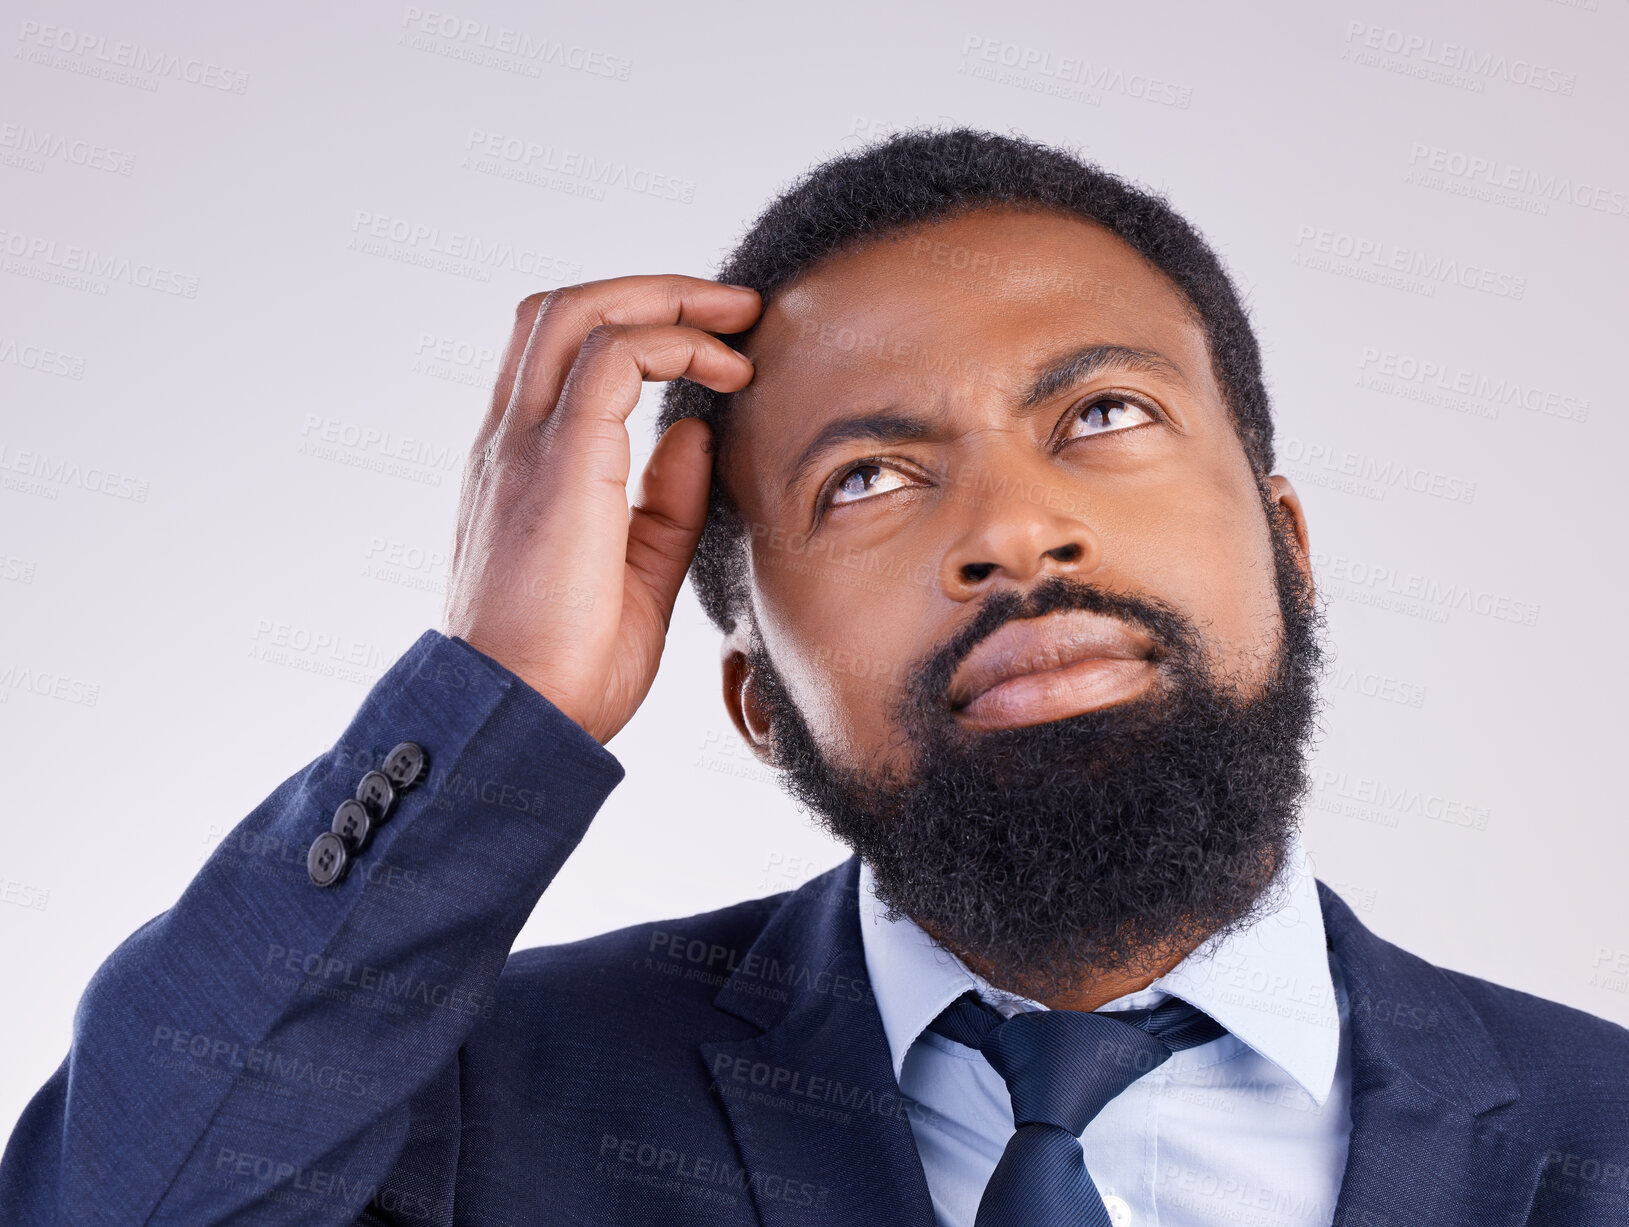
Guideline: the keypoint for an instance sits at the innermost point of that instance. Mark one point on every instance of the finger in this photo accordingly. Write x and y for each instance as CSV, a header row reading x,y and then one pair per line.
x,y
519,333
667,515
572,468
563,319
604,384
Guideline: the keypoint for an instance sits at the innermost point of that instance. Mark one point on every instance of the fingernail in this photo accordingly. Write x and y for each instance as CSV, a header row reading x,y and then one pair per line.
x,y
740,354
737,286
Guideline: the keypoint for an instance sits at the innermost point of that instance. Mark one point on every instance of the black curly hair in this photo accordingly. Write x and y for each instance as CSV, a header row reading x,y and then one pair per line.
x,y
925,174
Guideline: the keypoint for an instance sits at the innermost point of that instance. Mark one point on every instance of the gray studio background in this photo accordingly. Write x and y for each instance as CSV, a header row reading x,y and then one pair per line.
x,y
239,370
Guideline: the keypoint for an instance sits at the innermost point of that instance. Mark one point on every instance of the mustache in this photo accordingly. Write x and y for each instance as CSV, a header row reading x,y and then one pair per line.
x,y
1173,634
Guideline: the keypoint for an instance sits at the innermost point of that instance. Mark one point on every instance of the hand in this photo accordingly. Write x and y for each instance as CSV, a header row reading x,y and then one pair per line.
x,y
553,575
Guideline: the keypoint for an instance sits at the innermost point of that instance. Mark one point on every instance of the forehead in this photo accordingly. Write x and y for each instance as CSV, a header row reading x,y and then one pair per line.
x,y
952,314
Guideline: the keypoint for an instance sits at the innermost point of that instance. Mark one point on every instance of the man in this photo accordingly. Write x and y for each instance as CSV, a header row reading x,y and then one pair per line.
x,y
969,458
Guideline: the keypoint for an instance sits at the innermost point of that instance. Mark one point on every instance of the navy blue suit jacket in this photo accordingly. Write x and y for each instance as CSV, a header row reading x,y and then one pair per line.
x,y
268,1051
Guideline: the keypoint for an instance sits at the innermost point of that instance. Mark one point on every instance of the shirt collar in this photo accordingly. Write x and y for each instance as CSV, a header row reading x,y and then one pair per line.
x,y
1267,983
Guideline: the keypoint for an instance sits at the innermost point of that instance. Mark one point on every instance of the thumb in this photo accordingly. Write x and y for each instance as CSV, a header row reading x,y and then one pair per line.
x,y
665,519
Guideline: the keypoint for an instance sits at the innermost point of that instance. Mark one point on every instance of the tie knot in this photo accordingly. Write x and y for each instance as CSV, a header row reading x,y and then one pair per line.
x,y
1062,1067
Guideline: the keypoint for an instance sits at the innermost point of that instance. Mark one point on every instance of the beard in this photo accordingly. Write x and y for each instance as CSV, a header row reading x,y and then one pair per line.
x,y
1051,855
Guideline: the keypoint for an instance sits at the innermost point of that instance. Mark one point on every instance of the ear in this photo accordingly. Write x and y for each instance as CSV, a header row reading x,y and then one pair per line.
x,y
1284,496
741,695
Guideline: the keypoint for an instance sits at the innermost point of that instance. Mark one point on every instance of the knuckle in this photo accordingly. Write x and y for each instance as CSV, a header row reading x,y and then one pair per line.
x,y
565,299
604,337
675,288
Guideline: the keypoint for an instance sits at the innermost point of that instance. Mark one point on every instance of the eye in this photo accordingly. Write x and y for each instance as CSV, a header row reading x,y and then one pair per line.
x,y
1107,414
863,481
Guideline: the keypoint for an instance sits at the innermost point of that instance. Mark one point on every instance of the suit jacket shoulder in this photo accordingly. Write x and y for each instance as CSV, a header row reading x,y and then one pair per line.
x,y
678,959
1571,1070
587,1096
1521,1103
1557,1053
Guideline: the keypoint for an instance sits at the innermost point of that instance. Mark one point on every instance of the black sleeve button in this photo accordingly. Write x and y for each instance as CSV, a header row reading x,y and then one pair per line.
x,y
353,824
377,793
405,765
327,860
355,820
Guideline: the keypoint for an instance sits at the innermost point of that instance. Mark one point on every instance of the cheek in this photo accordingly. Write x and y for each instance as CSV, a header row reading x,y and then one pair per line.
x,y
843,626
1206,551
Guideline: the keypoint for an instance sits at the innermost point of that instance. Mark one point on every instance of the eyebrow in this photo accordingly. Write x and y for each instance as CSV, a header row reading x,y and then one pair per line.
x,y
1062,373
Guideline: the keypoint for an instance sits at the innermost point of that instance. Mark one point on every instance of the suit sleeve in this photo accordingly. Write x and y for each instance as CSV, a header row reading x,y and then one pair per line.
x,y
266,1050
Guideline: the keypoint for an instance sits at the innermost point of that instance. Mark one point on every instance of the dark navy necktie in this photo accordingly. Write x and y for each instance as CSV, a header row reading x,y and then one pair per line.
x,y
1061,1067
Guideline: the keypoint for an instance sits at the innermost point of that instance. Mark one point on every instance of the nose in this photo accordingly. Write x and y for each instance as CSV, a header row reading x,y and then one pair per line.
x,y
1016,528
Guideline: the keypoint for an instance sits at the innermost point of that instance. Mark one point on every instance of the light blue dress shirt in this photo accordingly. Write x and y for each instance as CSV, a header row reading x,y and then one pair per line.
x,y
1250,1128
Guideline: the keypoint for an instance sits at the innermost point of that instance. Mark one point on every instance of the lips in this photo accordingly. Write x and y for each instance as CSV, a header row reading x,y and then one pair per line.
x,y
1040,645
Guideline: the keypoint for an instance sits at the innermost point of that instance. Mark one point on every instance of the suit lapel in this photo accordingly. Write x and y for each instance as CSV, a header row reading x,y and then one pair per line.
x,y
823,1131
1426,1080
813,1102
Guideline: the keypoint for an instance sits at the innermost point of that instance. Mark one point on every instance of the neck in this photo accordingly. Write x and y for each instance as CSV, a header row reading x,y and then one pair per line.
x,y
1092,987
1093,991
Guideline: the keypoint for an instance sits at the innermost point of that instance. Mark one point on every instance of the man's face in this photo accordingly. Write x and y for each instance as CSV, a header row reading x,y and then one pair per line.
x,y
874,550
1024,637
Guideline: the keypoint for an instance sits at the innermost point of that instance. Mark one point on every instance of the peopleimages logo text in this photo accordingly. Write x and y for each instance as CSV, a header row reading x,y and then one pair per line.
x,y
1495,173
138,59
1473,61
1408,261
